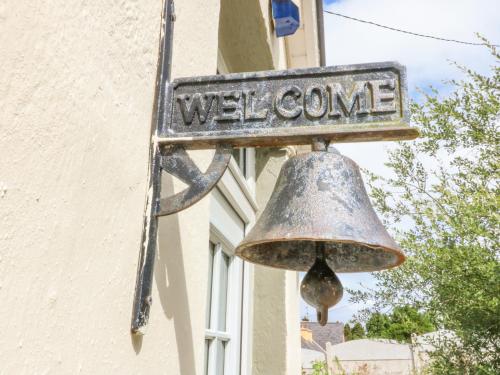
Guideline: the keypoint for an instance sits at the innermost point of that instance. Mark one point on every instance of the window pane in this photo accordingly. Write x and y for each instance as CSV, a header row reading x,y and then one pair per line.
x,y
243,162
223,272
207,347
236,156
240,157
221,354
211,254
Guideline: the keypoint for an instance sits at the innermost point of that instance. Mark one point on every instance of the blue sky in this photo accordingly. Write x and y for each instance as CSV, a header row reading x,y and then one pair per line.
x,y
427,62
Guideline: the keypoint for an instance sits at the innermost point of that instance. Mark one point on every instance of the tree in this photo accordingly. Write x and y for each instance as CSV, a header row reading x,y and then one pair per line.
x,y
378,325
355,332
347,332
442,203
399,325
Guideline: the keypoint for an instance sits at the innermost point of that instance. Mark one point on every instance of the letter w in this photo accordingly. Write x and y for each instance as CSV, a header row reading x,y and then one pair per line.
x,y
199,104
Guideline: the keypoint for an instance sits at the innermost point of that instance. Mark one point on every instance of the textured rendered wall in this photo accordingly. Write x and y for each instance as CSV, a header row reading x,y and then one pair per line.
x,y
276,308
76,95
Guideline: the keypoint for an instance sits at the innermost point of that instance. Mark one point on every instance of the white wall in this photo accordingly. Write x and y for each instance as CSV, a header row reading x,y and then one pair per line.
x,y
76,102
370,356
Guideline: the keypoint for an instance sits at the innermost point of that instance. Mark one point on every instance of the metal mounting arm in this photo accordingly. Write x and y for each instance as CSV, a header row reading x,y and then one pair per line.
x,y
175,160
147,254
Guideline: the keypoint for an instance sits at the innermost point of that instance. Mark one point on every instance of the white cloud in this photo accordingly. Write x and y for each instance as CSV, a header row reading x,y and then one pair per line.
x,y
427,62
350,42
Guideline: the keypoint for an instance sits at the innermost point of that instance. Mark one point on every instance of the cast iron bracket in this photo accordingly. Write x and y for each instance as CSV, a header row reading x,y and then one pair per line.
x,y
176,161
147,254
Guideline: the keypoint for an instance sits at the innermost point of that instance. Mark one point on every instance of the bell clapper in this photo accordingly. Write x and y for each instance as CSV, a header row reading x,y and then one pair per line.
x,y
322,315
321,287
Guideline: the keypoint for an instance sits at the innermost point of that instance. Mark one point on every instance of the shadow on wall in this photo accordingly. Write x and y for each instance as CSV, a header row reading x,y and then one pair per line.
x,y
169,264
170,280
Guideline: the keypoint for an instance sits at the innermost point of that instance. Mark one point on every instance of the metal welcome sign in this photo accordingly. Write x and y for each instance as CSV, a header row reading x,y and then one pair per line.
x,y
344,103
354,103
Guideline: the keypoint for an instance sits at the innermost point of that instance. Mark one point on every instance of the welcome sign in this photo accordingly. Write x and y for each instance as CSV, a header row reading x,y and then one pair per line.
x,y
366,102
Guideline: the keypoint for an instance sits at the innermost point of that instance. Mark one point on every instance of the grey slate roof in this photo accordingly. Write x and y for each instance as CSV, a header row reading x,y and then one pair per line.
x,y
331,332
311,345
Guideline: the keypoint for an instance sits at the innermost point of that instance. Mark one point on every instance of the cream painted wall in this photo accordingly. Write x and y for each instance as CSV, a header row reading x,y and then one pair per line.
x,y
293,344
276,307
303,45
76,104
244,40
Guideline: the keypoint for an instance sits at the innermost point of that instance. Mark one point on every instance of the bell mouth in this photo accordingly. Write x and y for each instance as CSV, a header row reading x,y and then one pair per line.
x,y
340,255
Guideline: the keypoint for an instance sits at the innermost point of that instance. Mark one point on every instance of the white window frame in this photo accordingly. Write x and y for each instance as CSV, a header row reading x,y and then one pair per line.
x,y
227,229
234,201
231,335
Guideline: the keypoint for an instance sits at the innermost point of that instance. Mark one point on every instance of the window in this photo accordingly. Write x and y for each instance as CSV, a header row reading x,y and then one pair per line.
x,y
229,312
240,157
239,154
225,291
218,333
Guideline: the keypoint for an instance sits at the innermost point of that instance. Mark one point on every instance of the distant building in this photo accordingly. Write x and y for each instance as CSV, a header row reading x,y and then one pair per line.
x,y
314,339
331,332
311,351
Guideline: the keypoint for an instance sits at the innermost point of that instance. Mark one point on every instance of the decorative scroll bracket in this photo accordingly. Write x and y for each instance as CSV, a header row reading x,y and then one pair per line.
x,y
176,161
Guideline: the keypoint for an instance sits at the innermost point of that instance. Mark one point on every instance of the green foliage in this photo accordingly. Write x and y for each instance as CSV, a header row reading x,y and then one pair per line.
x,y
377,326
347,332
442,203
319,368
399,325
355,332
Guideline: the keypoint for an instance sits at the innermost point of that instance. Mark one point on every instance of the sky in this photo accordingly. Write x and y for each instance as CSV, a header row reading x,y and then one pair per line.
x,y
428,62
